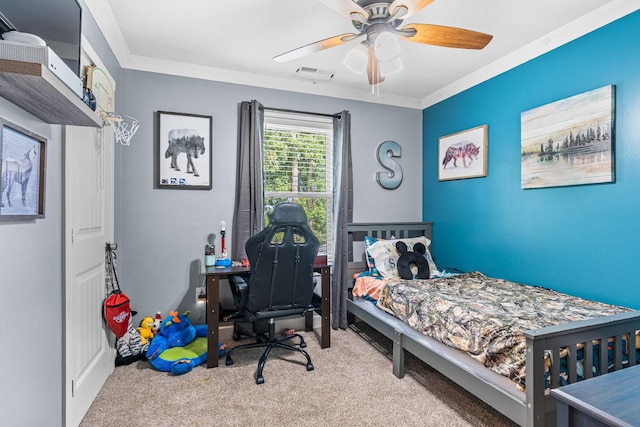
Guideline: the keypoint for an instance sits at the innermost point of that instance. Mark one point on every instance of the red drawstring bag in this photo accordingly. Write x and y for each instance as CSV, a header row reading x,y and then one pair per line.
x,y
117,312
116,309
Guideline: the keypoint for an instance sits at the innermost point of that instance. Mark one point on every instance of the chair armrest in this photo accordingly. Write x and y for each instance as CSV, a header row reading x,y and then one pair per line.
x,y
239,291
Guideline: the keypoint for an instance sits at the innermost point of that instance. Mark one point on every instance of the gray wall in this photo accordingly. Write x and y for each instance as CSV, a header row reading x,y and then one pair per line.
x,y
31,303
31,380
161,233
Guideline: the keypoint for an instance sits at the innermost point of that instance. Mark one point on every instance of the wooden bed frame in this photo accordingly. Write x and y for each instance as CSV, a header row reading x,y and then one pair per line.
x,y
530,408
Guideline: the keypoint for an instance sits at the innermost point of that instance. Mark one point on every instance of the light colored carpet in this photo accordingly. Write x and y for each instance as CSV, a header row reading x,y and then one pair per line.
x,y
352,385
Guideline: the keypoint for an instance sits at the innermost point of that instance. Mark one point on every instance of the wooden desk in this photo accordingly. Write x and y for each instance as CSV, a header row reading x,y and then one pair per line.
x,y
214,275
606,400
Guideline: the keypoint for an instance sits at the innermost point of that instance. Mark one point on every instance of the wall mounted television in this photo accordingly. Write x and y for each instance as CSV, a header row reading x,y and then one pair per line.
x,y
57,22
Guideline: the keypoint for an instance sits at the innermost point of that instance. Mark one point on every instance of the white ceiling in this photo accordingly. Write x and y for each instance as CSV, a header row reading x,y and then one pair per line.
x,y
235,41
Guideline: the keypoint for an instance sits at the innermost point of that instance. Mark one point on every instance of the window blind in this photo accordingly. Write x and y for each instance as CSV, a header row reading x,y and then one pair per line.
x,y
298,167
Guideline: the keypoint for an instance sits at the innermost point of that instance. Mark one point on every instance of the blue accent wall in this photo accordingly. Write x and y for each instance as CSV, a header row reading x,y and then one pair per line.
x,y
583,240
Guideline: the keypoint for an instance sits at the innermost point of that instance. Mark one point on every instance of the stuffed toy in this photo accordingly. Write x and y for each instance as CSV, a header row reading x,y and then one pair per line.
x,y
130,347
179,345
156,323
146,329
407,259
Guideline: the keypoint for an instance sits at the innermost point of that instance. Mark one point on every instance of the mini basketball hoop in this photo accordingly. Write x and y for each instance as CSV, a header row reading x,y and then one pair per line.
x,y
124,127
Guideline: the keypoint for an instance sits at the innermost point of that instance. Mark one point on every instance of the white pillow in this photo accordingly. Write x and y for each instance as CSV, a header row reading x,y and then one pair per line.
x,y
386,256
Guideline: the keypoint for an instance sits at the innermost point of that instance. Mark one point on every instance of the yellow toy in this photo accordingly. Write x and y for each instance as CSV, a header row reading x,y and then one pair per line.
x,y
146,329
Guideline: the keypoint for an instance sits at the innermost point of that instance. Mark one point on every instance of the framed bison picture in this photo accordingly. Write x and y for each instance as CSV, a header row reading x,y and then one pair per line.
x,y
463,154
184,158
22,173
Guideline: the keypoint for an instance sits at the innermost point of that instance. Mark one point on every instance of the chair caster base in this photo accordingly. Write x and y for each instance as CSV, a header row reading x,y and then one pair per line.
x,y
260,380
303,344
309,366
228,361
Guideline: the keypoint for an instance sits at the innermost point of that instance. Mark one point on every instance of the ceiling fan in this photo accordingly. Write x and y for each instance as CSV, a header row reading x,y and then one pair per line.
x,y
379,22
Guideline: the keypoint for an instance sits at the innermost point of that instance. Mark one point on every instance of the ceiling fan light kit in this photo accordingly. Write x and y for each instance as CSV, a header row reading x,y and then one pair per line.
x,y
379,23
391,67
356,58
386,46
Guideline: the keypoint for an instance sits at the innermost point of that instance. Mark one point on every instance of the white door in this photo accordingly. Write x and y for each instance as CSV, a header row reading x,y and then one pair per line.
x,y
88,203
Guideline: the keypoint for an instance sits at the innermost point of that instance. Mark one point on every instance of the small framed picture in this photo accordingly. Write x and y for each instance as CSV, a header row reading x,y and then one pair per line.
x,y
463,154
22,173
184,151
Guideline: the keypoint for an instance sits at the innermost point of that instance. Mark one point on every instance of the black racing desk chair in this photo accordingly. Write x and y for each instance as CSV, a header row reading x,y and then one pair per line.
x,y
280,284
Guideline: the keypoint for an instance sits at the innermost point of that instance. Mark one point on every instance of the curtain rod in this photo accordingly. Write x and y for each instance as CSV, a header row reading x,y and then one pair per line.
x,y
284,110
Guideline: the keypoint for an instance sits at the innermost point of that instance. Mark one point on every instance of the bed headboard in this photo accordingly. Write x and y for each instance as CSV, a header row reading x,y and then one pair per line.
x,y
398,230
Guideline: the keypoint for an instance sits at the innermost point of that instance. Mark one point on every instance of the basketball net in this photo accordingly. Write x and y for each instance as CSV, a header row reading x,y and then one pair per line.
x,y
124,127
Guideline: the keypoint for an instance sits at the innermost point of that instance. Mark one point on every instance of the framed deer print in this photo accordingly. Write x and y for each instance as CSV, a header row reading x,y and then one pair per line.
x,y
22,173
463,154
184,157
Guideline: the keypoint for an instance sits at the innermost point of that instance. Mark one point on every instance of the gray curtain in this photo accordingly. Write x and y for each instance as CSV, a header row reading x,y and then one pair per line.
x,y
249,209
342,215
248,215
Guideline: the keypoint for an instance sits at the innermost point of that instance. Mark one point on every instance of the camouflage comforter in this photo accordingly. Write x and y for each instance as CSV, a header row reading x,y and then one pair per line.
x,y
485,316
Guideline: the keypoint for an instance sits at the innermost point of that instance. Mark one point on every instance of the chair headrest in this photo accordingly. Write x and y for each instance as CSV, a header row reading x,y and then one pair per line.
x,y
288,213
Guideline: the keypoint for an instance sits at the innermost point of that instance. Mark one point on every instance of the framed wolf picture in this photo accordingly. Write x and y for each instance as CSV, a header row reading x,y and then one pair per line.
x,y
184,151
463,154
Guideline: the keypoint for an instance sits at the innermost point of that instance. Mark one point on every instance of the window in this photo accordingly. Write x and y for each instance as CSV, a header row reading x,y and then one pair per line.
x,y
298,167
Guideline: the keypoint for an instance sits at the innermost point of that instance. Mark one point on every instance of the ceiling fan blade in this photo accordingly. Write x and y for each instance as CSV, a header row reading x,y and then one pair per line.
x,y
439,35
413,6
345,7
315,47
373,68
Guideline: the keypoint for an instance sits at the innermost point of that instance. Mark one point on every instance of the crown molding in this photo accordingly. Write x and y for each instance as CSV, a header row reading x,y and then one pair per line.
x,y
107,23
575,29
289,84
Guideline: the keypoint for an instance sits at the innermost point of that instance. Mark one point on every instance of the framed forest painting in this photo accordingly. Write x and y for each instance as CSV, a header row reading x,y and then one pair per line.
x,y
569,142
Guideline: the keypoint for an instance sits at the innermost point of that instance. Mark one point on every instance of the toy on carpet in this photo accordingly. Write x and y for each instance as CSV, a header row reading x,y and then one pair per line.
x,y
179,345
156,323
130,347
407,259
146,329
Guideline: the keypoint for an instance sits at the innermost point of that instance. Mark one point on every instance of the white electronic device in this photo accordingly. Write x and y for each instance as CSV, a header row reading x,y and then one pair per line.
x,y
26,38
24,52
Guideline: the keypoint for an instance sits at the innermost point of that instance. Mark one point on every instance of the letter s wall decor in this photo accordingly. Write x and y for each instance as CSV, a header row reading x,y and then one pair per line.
x,y
391,179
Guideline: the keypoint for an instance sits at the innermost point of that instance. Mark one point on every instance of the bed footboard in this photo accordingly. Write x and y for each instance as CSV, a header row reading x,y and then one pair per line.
x,y
594,337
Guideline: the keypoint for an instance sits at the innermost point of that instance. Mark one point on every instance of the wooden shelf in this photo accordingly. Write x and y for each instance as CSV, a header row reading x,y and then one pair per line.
x,y
37,90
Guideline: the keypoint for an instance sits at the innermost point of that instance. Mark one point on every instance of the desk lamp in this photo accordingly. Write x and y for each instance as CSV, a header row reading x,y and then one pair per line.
x,y
223,260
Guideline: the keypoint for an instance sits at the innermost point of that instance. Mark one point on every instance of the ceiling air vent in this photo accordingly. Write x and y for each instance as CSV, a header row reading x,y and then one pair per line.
x,y
314,74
